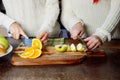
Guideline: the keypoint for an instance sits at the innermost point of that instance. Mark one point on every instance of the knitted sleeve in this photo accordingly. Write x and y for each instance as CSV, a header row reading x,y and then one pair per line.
x,y
68,17
5,20
105,31
51,15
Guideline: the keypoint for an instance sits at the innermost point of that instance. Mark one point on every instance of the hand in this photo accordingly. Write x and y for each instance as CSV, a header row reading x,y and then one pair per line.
x,y
43,37
93,42
77,31
16,31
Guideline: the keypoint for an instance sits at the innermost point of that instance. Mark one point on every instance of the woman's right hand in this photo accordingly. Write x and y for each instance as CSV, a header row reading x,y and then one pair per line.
x,y
16,31
77,31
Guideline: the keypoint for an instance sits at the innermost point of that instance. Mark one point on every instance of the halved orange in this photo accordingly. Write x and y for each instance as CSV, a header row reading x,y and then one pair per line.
x,y
37,53
27,53
36,43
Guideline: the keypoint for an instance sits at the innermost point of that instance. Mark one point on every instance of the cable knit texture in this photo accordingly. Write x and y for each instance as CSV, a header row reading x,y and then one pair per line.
x,y
100,19
33,15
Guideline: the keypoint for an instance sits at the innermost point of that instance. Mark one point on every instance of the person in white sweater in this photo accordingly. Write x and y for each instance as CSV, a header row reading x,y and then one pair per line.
x,y
97,20
34,18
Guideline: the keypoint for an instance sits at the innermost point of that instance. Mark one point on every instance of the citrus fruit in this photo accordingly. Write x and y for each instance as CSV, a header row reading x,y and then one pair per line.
x,y
36,43
27,53
37,53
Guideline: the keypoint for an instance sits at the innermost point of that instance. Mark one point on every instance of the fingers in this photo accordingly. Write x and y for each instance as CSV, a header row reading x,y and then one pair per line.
x,y
15,34
16,31
80,34
43,37
76,35
92,42
45,41
77,31
96,46
23,34
93,45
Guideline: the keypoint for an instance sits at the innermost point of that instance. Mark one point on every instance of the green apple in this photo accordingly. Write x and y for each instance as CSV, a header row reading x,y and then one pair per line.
x,y
73,48
3,42
80,47
1,36
61,48
68,48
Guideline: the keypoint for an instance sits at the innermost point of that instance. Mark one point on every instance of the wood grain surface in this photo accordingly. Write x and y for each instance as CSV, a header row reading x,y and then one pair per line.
x,y
51,56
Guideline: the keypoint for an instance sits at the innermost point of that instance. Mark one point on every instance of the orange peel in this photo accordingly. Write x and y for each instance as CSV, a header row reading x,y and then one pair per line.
x,y
36,43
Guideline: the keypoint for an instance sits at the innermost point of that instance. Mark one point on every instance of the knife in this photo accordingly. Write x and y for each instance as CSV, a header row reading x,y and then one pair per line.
x,y
84,44
26,41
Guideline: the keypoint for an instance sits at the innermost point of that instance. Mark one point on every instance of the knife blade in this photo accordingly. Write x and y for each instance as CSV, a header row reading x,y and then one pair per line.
x,y
26,41
84,44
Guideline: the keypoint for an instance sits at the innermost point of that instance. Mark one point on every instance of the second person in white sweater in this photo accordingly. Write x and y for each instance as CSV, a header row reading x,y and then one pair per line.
x,y
34,18
98,19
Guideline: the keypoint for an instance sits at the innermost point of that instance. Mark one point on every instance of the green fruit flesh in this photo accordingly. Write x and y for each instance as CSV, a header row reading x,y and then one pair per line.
x,y
80,47
73,48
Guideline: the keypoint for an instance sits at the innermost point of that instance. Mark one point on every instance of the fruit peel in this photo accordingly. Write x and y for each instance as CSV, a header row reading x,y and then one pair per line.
x,y
36,43
37,53
4,42
61,48
27,53
34,51
68,48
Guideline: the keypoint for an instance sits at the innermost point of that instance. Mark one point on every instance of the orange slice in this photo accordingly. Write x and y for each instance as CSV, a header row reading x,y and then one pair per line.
x,y
27,53
37,53
36,43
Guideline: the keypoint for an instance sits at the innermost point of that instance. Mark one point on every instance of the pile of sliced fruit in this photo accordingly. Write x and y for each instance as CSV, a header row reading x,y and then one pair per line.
x,y
34,51
4,45
70,48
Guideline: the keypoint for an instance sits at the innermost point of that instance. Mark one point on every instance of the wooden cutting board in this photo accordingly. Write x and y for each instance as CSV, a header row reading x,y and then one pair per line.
x,y
50,56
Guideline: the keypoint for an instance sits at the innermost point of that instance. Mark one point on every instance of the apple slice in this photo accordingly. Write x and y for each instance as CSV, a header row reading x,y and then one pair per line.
x,y
68,48
80,47
61,48
73,48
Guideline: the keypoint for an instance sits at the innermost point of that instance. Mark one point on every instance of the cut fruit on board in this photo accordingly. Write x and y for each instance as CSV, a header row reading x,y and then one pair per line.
x,y
36,43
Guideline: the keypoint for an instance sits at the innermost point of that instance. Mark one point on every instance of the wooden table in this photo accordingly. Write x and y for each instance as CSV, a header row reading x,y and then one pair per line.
x,y
105,68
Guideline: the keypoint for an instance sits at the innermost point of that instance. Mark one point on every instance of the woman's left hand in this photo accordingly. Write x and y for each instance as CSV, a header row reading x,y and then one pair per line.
x,y
43,37
93,42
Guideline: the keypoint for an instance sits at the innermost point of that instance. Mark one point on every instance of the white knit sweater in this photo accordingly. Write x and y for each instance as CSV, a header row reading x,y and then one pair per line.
x,y
33,15
100,19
